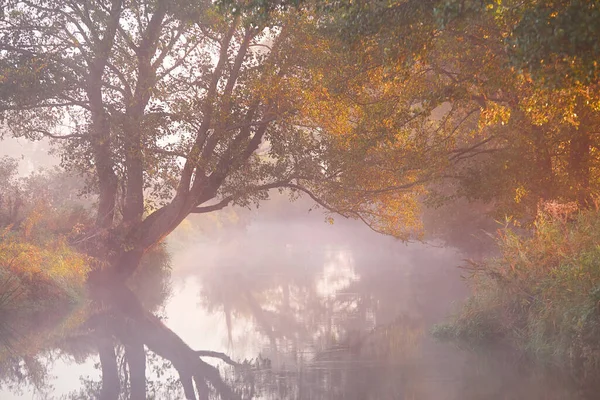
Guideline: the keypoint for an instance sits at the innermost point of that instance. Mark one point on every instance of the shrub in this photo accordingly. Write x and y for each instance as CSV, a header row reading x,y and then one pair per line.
x,y
541,294
34,274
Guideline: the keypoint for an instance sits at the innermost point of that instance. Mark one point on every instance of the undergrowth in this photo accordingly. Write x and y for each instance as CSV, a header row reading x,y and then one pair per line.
x,y
42,290
39,271
541,295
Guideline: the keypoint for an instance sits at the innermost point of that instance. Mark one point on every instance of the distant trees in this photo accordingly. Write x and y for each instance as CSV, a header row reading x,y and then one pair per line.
x,y
551,94
55,196
10,199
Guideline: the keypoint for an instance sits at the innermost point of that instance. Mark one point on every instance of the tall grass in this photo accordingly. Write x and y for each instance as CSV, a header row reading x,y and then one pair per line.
x,y
542,294
42,279
42,293
38,274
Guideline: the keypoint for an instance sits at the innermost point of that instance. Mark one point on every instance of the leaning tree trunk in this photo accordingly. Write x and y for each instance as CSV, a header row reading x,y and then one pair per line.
x,y
543,162
131,323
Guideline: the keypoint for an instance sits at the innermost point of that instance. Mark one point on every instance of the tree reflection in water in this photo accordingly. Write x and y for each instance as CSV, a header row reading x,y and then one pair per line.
x,y
347,318
342,318
135,328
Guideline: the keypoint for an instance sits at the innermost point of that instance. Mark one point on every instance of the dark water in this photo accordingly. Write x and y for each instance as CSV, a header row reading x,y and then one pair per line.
x,y
307,310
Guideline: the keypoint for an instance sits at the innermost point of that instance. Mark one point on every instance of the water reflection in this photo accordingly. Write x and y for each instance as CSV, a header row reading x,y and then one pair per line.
x,y
307,311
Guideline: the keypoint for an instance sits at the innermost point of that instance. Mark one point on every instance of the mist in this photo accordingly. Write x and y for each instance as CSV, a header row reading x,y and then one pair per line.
x,y
297,199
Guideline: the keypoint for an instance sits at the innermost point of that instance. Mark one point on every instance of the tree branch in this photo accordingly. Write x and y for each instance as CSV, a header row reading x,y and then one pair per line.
x,y
213,207
191,163
126,87
229,199
312,196
165,152
215,354
53,136
457,153
251,124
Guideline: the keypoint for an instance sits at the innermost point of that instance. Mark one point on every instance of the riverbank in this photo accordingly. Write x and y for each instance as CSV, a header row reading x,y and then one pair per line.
x,y
541,296
35,275
42,290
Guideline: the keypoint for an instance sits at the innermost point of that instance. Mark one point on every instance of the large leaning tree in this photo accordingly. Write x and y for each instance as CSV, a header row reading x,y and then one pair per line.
x,y
181,106
176,107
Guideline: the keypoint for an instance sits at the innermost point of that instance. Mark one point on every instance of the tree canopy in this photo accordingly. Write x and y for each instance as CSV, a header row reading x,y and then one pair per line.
x,y
367,108
182,107
159,109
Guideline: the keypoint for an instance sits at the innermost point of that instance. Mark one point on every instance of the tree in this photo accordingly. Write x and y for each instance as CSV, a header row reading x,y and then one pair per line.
x,y
548,51
179,108
175,108
528,125
10,199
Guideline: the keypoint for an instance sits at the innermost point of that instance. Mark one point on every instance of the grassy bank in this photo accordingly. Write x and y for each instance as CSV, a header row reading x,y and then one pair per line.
x,y
42,281
541,295
42,296
35,275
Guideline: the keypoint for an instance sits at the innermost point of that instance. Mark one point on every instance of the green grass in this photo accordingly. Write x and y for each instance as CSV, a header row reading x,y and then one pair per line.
x,y
541,295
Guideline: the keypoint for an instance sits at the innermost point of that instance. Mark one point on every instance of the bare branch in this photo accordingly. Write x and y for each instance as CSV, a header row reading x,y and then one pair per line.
x,y
457,153
128,39
261,45
175,65
213,207
216,354
126,87
251,124
166,152
53,136
45,105
86,18
312,196
229,199
159,60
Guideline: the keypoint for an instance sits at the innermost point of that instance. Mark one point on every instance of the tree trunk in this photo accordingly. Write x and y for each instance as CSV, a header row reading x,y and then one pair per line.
x,y
140,326
579,165
111,386
136,360
543,160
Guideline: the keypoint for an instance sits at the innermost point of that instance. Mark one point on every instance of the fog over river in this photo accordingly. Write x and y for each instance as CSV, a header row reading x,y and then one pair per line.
x,y
311,311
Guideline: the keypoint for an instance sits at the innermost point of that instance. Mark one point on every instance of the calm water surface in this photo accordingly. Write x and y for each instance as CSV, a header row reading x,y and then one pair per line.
x,y
308,310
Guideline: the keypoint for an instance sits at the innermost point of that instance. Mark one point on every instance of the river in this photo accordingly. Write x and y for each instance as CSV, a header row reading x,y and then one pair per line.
x,y
310,311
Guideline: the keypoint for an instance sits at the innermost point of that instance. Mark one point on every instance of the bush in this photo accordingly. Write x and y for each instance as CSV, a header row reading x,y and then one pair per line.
x,y
34,275
542,294
42,293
